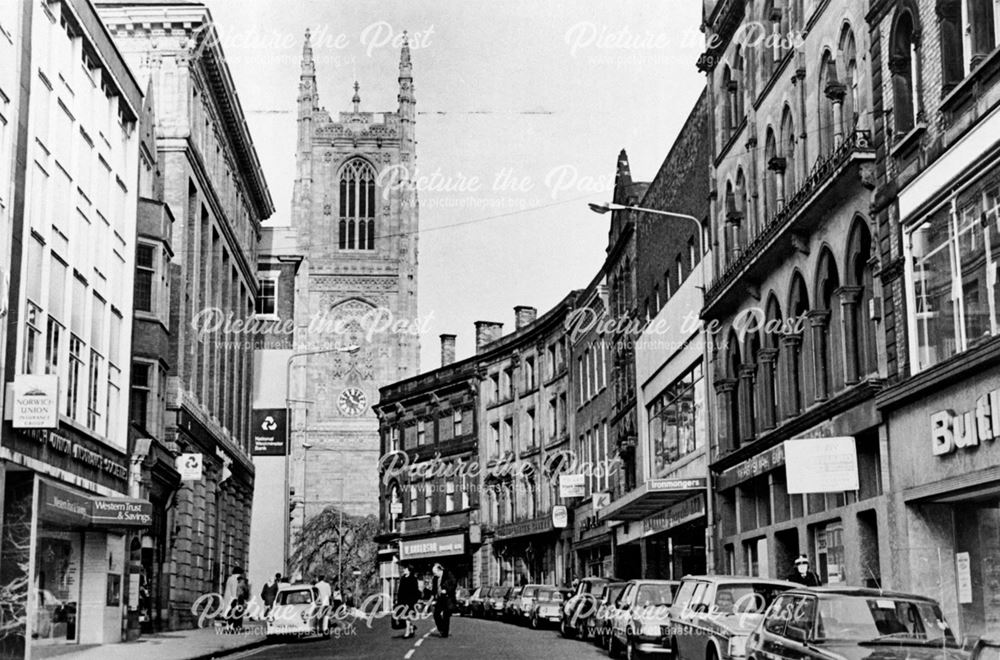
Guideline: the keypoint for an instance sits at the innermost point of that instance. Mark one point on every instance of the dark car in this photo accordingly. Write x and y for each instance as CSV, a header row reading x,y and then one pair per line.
x,y
599,625
853,623
713,615
547,608
462,596
580,607
495,601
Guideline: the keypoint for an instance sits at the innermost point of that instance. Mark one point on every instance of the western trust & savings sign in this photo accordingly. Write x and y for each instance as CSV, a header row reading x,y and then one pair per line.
x,y
81,511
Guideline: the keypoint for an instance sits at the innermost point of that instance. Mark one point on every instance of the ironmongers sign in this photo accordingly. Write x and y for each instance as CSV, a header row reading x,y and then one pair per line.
x,y
675,484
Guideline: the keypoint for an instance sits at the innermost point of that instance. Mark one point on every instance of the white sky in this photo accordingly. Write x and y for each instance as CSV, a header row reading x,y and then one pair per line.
x,y
540,94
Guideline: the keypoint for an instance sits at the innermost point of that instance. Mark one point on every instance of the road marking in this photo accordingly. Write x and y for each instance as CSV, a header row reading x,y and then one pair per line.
x,y
426,634
247,654
409,654
418,642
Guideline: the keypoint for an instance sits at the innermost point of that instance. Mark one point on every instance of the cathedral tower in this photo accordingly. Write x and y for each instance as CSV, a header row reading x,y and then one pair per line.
x,y
355,216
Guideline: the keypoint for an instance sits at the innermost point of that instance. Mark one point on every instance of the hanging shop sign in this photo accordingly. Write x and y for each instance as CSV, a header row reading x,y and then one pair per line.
x,y
269,432
78,510
572,485
36,402
560,517
600,500
951,431
190,466
821,465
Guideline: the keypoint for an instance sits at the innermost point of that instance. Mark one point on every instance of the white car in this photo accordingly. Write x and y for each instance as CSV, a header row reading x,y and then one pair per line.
x,y
297,611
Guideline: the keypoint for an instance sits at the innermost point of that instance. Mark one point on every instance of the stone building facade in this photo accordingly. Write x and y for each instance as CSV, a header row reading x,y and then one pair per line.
x,y
354,211
215,190
795,354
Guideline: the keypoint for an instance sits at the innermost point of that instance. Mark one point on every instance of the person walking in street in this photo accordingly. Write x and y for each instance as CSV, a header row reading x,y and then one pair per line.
x,y
229,597
407,599
443,593
269,593
324,590
802,574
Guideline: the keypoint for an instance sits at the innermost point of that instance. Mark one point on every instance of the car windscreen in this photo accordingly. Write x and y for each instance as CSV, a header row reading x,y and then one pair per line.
x,y
529,592
545,595
745,598
592,587
651,595
878,620
297,597
613,592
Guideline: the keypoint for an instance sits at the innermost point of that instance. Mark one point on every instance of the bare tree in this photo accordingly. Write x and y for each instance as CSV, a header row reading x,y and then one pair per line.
x,y
316,547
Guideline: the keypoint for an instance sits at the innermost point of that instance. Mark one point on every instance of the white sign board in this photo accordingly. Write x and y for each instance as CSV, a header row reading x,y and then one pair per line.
x,y
190,466
963,574
560,517
36,402
395,508
821,465
572,485
600,500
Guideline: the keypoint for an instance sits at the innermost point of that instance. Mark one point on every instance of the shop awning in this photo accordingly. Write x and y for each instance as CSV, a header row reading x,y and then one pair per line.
x,y
593,542
651,497
72,508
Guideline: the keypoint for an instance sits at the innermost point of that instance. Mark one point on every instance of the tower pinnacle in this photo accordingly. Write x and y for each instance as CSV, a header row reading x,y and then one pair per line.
x,y
357,98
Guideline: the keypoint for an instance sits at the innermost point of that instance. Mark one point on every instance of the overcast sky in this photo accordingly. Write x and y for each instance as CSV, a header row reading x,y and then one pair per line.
x,y
522,109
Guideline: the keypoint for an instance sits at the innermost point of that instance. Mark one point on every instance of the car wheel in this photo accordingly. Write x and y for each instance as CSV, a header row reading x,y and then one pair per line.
x,y
613,646
534,621
674,651
631,652
564,629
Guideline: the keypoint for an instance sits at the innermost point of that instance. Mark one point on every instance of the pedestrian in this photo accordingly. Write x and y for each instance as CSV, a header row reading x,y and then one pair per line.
x,y
443,592
242,597
229,597
270,592
802,574
407,599
324,590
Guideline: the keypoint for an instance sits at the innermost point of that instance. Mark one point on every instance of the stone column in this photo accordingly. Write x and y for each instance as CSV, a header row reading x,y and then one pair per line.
x,y
835,91
850,297
748,374
766,358
778,165
819,322
789,368
727,425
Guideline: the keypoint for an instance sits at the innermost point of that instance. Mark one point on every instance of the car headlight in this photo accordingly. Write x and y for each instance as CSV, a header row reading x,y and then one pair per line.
x,y
738,646
650,628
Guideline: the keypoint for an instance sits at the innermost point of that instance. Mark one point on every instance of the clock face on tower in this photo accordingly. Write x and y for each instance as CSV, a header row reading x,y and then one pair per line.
x,y
352,402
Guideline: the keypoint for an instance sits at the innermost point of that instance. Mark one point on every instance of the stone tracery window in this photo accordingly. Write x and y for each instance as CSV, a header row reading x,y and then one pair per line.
x,y
356,229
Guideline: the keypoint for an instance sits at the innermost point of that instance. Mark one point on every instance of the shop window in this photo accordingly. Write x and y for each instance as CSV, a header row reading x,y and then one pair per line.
x,y
786,550
730,559
676,420
755,557
828,543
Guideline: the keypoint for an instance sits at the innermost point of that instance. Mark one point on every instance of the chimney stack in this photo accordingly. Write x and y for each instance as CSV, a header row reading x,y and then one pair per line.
x,y
447,350
524,315
486,332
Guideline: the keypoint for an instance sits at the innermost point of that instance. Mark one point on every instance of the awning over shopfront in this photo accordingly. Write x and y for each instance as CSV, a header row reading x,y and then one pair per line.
x,y
652,497
72,508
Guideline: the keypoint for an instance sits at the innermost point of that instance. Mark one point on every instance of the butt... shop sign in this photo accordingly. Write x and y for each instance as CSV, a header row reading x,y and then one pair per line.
x,y
951,431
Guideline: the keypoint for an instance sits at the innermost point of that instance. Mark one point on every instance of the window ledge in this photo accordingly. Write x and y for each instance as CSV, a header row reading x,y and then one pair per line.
x,y
904,145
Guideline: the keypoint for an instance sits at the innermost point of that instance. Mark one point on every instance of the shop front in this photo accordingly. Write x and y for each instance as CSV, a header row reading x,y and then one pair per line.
x,y
533,551
945,457
593,544
63,562
675,540
450,550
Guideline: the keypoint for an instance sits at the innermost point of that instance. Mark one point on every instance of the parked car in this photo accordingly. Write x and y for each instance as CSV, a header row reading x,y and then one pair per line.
x,y
296,611
580,607
547,607
462,596
986,649
510,604
476,603
713,615
526,603
853,622
599,625
640,614
495,601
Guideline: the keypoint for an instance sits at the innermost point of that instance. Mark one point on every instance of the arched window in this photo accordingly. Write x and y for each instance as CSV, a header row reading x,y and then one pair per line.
x,y
734,220
395,502
727,105
788,150
742,205
860,347
733,362
904,65
768,25
982,32
739,76
771,177
356,229
852,99
825,328
749,62
827,79
768,374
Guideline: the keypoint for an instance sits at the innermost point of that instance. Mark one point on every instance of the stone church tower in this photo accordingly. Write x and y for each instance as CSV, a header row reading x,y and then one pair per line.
x,y
355,214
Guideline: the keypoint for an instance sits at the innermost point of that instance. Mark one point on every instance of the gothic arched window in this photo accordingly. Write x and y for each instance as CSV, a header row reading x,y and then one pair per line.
x,y
356,229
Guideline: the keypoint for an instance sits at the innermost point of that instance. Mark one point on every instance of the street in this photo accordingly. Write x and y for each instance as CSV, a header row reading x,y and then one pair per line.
x,y
469,638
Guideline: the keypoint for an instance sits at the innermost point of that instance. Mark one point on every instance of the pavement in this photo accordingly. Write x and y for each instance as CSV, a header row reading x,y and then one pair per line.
x,y
175,645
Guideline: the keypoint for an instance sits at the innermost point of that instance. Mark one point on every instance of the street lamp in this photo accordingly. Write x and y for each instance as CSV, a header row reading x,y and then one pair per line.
x,y
353,348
